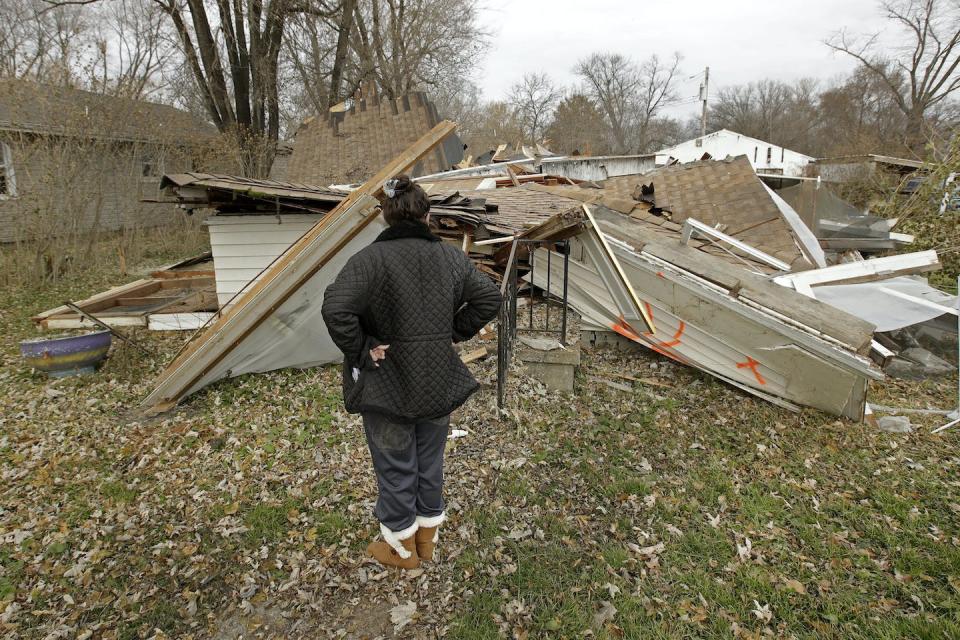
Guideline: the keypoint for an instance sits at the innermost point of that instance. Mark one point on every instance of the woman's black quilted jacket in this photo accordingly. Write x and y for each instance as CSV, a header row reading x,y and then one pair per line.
x,y
419,295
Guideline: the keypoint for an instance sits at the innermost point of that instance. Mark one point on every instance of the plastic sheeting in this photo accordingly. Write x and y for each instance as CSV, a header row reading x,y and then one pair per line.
x,y
887,303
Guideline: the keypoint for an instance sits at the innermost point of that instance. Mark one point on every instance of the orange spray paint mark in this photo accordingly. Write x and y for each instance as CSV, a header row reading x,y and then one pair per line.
x,y
752,365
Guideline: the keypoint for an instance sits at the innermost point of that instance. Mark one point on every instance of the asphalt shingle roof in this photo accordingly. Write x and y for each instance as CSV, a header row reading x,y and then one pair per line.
x,y
46,109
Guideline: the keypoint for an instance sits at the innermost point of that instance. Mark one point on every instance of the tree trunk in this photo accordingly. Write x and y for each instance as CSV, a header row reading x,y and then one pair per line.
x,y
340,57
915,133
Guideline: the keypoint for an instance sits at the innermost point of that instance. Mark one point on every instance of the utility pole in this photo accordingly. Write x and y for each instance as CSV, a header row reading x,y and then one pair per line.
x,y
704,87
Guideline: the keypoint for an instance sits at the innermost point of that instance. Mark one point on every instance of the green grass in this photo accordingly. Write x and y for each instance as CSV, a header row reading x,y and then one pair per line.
x,y
267,523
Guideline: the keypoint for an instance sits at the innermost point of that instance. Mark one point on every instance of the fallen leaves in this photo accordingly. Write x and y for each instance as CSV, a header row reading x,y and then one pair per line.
x,y
606,614
402,615
249,508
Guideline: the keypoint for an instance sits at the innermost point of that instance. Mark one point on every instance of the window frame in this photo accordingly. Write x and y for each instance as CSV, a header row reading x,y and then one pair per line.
x,y
155,159
9,174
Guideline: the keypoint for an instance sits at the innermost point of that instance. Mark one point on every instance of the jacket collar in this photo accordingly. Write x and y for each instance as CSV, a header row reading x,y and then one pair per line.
x,y
407,229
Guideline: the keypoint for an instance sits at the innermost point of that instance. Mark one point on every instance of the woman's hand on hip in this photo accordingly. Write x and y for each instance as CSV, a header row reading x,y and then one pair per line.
x,y
379,353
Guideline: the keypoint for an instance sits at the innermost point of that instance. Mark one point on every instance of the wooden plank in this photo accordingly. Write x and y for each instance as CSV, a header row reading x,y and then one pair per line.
x,y
186,283
204,258
283,278
140,301
513,176
168,275
476,354
79,322
131,288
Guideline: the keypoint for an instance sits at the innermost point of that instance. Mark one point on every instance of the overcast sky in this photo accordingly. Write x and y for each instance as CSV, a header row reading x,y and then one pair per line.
x,y
741,40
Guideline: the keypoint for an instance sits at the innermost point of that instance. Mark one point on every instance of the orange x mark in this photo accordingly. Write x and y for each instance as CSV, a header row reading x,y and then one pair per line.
x,y
752,365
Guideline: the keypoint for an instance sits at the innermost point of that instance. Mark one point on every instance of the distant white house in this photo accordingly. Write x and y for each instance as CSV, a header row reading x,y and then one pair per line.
x,y
764,156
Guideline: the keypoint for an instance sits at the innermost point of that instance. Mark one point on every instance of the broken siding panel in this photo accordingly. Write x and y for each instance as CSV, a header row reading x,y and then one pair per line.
x,y
846,329
727,340
243,246
597,168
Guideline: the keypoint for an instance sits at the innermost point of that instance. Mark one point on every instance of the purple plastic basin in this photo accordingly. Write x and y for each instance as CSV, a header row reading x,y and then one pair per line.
x,y
67,356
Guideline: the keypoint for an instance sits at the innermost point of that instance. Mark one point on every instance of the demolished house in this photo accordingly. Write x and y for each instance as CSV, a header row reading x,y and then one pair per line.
x,y
702,263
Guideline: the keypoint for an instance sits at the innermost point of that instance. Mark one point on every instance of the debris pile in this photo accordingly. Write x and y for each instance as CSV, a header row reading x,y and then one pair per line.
x,y
704,262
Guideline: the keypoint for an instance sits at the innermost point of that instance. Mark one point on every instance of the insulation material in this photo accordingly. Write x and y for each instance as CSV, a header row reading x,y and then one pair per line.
x,y
889,304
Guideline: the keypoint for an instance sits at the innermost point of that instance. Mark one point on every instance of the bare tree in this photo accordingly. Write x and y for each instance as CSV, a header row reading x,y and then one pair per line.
x,y
629,95
135,45
772,110
317,53
404,45
393,46
43,43
232,49
613,82
461,101
496,123
926,71
858,115
657,89
534,98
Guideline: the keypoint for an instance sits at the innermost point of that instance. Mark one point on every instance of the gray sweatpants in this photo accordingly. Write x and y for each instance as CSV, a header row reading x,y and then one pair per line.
x,y
408,461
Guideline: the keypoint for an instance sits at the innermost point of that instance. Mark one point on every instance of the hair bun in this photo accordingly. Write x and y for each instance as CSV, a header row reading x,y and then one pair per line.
x,y
397,185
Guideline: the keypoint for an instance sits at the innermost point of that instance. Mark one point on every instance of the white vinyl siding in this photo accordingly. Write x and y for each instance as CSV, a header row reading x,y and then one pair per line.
x,y
243,246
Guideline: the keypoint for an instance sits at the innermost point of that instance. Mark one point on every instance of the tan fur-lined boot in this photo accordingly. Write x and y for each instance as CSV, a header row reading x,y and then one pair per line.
x,y
428,534
398,548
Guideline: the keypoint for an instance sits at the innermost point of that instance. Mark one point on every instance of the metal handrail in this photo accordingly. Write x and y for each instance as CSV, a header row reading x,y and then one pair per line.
x,y
507,324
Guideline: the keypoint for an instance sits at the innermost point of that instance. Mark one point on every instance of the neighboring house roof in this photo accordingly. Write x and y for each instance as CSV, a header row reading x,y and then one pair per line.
x,y
733,135
56,110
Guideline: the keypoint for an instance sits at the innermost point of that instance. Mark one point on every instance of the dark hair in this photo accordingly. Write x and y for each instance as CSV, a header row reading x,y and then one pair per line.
x,y
409,201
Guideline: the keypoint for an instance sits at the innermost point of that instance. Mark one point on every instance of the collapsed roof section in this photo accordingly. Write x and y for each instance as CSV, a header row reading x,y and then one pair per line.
x,y
735,325
726,193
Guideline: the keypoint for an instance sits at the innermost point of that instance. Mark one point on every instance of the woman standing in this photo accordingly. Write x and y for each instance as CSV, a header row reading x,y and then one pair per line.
x,y
395,311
